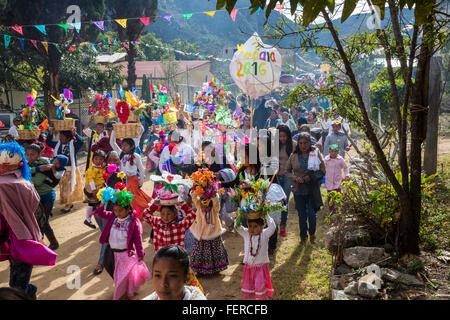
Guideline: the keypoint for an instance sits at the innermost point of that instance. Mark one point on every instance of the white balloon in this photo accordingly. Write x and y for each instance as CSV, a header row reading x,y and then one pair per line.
x,y
256,67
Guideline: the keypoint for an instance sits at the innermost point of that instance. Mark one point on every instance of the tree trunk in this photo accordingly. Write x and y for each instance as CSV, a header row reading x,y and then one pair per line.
x,y
131,77
410,217
431,142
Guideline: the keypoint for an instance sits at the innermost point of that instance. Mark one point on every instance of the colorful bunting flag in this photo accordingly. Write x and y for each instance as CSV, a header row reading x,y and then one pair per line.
x,y
77,26
210,13
145,20
93,47
45,44
233,14
167,17
17,29
22,43
122,22
7,40
62,25
187,15
41,28
257,11
34,42
100,24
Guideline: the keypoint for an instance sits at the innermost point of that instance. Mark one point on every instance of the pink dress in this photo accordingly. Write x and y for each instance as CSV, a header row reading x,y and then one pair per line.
x,y
129,272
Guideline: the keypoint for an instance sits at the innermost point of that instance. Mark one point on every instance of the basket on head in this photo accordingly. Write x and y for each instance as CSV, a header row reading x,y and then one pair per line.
x,y
100,119
64,125
132,117
128,130
29,134
253,215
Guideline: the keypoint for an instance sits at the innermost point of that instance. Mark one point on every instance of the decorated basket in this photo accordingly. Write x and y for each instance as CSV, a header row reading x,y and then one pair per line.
x,y
132,117
128,130
64,125
29,134
100,119
253,215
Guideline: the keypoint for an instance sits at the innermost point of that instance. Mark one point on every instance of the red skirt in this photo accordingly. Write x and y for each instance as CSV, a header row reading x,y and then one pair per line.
x,y
140,198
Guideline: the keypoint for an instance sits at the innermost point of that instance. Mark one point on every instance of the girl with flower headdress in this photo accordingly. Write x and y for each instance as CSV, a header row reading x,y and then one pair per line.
x,y
131,164
209,255
123,233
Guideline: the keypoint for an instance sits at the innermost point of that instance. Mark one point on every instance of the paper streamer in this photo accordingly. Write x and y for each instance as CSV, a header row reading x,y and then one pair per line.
x,y
100,24
41,28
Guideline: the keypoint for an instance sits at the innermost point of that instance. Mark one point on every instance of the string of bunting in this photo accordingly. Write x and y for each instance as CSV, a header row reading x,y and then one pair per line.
x,y
122,22
7,40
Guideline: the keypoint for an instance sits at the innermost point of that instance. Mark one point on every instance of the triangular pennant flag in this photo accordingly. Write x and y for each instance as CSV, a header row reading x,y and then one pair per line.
x,y
93,47
62,25
22,43
152,88
100,24
122,22
17,29
167,17
7,40
57,47
210,13
257,11
233,14
34,42
41,28
145,20
45,44
187,15
77,26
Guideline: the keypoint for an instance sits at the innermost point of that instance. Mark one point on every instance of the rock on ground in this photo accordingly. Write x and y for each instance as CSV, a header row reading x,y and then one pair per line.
x,y
358,257
399,277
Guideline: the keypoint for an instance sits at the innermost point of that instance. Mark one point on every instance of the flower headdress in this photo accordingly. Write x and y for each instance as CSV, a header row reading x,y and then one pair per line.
x,y
119,194
65,99
252,200
29,113
172,183
100,105
205,183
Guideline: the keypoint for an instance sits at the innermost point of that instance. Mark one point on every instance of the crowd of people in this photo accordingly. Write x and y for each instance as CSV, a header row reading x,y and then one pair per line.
x,y
186,229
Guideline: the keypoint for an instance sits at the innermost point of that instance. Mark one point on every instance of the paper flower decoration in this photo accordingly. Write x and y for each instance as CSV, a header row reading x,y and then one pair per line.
x,y
253,201
123,111
124,198
205,184
2,124
171,181
111,168
100,105
121,175
119,186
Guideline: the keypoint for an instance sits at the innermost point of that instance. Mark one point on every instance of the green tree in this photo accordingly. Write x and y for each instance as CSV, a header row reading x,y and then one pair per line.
x,y
411,111
80,71
381,98
118,9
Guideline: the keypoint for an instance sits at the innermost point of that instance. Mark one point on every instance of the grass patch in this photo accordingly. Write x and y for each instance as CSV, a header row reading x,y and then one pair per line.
x,y
435,219
301,273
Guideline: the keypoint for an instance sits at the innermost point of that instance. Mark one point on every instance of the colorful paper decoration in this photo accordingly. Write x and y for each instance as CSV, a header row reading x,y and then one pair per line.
x,y
63,25
145,20
41,28
77,26
257,68
17,29
170,117
160,120
100,24
187,15
45,44
210,13
7,40
189,108
122,22
34,42
162,98
167,17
